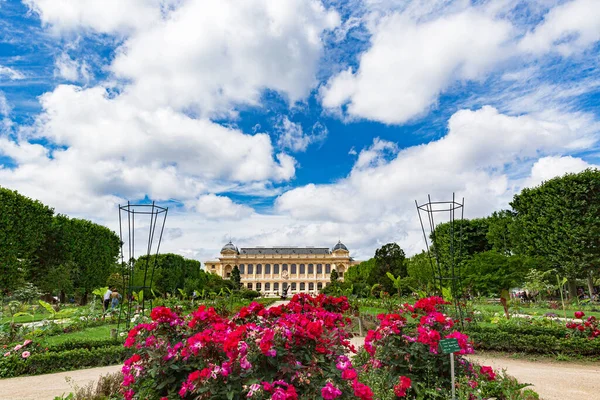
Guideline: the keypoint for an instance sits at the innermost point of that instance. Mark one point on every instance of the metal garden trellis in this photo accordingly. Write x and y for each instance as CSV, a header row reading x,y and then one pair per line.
x,y
446,269
127,220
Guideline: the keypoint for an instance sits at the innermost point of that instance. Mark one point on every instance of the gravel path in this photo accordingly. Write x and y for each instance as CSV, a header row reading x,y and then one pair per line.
x,y
552,380
46,387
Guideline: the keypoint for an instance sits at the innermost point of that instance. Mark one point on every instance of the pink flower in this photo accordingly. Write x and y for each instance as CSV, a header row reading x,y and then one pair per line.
x,y
18,347
579,314
330,392
349,374
7,354
25,354
489,371
25,343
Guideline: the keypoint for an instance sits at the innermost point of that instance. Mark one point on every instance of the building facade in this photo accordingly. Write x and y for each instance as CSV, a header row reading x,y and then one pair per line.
x,y
270,270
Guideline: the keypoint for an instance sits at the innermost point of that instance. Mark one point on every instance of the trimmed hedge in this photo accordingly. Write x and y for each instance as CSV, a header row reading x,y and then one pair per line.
x,y
84,344
535,340
66,360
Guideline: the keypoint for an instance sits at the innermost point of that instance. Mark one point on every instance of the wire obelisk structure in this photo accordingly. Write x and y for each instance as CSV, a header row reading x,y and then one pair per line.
x,y
138,275
445,270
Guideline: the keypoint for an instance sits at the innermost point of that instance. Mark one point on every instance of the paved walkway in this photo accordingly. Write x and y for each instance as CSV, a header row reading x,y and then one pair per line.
x,y
47,387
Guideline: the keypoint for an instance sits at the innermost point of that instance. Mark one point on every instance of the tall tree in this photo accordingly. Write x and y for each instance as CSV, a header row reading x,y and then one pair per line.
x,y
560,220
389,258
236,278
500,234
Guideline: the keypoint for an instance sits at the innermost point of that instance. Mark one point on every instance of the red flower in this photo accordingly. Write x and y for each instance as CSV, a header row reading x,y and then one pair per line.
x,y
349,374
579,314
401,388
489,371
362,391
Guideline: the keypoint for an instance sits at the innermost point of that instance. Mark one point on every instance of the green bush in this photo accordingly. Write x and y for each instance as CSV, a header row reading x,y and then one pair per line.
x,y
535,340
67,360
249,294
83,344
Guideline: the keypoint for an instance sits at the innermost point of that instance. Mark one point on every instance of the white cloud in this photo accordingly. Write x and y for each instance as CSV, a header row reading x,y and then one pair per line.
x,y
410,63
208,56
11,73
107,146
477,159
219,207
549,167
106,16
71,70
293,137
570,27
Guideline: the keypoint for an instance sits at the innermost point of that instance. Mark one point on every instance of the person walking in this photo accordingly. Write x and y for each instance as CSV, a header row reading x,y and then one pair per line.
x,y
115,297
106,299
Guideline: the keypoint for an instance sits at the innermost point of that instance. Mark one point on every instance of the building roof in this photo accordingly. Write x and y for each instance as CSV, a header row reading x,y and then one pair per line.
x,y
339,246
283,250
229,246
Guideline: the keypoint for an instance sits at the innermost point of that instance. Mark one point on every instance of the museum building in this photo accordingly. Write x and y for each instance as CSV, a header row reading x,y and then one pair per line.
x,y
270,270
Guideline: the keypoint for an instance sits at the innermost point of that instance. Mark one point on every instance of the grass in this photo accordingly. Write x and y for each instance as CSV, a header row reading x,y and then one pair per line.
x,y
95,333
531,310
372,310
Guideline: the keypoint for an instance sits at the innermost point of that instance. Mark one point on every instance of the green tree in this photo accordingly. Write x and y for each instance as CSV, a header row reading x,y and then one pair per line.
x,y
499,234
333,278
419,268
490,272
23,226
236,278
389,258
463,239
560,221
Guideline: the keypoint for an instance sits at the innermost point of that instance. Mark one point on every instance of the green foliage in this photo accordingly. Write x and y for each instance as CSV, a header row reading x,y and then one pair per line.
x,y
490,272
26,293
23,226
68,360
560,220
499,234
419,268
249,294
333,278
464,239
236,278
533,340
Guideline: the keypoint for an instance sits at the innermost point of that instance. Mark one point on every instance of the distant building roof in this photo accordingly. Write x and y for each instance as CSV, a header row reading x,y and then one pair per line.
x,y
283,250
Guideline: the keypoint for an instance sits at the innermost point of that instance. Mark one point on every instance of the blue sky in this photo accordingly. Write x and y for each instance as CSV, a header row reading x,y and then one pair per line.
x,y
296,122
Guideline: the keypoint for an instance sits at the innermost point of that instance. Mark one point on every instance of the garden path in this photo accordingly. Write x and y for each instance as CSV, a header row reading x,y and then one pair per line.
x,y
46,387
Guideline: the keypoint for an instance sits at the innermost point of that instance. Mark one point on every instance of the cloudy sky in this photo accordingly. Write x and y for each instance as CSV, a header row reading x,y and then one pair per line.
x,y
294,122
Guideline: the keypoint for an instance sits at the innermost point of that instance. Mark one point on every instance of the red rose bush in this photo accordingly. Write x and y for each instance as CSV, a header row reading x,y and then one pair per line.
x,y
295,351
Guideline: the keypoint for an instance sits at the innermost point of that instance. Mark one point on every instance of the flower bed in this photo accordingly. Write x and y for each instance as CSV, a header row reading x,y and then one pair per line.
x,y
300,351
30,358
574,338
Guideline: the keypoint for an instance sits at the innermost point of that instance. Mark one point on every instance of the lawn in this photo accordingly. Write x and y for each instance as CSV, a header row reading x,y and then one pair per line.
x,y
496,308
95,333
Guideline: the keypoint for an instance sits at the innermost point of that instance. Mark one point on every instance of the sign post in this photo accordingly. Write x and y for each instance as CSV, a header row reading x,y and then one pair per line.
x,y
450,346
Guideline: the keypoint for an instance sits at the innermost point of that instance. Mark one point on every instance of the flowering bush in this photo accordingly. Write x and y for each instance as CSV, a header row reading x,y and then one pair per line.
x,y
294,351
589,328
297,350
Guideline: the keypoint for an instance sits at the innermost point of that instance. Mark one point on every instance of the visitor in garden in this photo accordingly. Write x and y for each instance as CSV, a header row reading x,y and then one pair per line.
x,y
107,299
115,296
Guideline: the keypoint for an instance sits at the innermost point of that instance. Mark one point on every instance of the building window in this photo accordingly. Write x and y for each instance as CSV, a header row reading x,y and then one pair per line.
x,y
293,269
341,274
258,269
302,269
284,285
259,286
293,286
249,286
250,269
284,267
302,286
267,268
241,269
319,286
229,275
311,286
276,286
327,268
276,269
311,269
268,287
319,268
